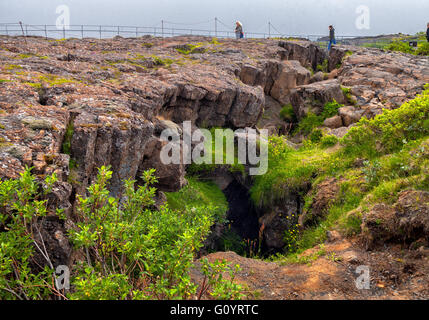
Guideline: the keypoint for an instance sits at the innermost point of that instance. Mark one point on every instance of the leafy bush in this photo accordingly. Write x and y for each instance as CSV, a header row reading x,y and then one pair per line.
x,y
216,285
423,49
400,46
148,254
330,109
390,131
308,123
315,136
22,208
328,141
129,250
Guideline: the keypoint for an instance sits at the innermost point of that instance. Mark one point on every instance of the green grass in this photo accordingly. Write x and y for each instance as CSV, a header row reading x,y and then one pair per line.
x,y
394,147
229,160
53,80
199,194
323,67
190,48
312,121
288,114
299,258
167,62
402,45
348,94
66,146
10,67
289,170
147,45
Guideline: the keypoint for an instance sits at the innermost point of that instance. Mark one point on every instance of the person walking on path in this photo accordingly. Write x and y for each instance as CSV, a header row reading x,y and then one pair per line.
x,y
427,33
239,30
331,37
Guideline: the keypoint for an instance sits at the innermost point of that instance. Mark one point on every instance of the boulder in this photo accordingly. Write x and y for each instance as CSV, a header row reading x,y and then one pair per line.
x,y
336,57
290,75
307,53
117,140
317,77
313,97
171,177
406,221
339,132
334,122
350,115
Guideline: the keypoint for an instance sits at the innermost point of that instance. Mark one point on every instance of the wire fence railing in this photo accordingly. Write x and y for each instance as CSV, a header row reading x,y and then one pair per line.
x,y
163,30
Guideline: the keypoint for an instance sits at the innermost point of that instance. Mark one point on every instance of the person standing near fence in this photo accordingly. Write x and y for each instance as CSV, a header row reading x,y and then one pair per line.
x,y
331,37
239,30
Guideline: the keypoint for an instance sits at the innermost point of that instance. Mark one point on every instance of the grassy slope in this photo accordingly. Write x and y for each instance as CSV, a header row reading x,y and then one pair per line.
x,y
394,150
199,193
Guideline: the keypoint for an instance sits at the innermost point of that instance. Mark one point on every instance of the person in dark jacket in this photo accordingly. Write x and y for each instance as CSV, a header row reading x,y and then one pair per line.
x,y
331,37
427,33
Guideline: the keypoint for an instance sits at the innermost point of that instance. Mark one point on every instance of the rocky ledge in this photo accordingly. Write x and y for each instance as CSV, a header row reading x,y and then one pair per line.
x,y
70,106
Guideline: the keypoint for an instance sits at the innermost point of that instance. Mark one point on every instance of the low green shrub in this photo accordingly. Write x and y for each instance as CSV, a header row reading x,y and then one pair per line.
x,y
423,49
328,141
129,250
400,46
22,208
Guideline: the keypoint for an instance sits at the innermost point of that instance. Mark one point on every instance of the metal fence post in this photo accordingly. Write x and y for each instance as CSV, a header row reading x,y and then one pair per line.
x,y
162,26
100,32
46,33
118,31
137,32
81,30
64,32
7,33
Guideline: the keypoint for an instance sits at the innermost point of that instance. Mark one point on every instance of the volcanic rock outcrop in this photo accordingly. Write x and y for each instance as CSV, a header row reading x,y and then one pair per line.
x,y
71,106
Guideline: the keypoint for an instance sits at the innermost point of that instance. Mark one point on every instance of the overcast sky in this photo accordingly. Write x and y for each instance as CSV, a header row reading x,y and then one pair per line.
x,y
302,17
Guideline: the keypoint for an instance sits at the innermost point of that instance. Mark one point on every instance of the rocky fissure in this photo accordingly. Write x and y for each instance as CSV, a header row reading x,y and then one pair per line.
x,y
118,95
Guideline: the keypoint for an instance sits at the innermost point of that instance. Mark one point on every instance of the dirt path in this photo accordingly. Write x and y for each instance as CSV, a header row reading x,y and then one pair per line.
x,y
394,274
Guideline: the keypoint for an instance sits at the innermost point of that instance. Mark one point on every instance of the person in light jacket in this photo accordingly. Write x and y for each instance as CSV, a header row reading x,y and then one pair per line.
x,y
239,30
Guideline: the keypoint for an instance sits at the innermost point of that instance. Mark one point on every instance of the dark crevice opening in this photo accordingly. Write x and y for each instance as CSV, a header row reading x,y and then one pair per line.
x,y
241,232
